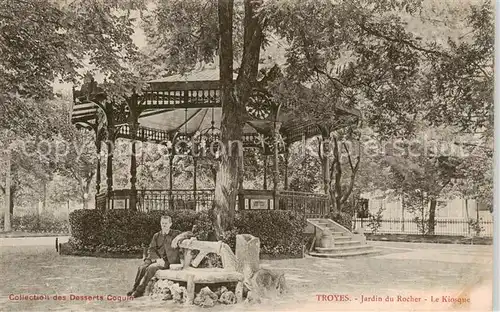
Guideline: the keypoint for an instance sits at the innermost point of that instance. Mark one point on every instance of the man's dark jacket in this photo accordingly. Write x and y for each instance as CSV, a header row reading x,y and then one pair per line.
x,y
161,247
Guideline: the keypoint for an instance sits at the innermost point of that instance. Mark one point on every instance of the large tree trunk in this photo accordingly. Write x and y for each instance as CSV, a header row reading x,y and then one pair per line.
x,y
12,197
328,168
44,203
331,176
85,189
332,173
432,215
233,109
337,168
85,203
85,195
325,164
325,167
227,175
477,211
354,170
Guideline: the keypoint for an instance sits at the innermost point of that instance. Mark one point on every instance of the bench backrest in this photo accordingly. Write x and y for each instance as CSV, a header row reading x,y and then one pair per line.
x,y
229,261
247,252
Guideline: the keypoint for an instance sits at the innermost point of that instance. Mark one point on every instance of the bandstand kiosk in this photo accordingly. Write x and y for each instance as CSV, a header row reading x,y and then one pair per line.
x,y
188,108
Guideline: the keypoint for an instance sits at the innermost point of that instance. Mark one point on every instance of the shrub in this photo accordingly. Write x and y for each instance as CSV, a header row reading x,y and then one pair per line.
x,y
34,223
48,223
26,223
375,220
122,230
229,237
475,227
86,227
423,223
128,231
280,232
205,229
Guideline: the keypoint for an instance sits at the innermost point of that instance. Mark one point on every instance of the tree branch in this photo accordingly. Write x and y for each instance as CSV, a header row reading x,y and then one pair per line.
x,y
348,155
270,75
89,177
376,33
320,154
73,173
412,45
332,171
335,80
338,172
252,41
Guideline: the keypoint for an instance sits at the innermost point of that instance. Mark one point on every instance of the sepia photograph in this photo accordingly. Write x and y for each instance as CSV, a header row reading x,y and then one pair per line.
x,y
247,155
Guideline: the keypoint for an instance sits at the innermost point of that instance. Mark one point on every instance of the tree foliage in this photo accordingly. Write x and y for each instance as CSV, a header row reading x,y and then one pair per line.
x,y
461,77
42,41
321,55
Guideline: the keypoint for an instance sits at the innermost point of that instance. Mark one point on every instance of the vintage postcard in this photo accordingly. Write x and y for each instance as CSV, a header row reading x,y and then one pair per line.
x,y
246,155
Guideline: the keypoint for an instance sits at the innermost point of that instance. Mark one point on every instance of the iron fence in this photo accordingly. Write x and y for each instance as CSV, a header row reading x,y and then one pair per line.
x,y
451,227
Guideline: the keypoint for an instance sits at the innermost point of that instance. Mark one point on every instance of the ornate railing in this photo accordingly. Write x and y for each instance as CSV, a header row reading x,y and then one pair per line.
x,y
144,134
308,205
148,200
206,97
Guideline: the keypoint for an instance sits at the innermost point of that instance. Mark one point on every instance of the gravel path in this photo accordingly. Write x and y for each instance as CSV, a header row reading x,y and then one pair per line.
x,y
31,266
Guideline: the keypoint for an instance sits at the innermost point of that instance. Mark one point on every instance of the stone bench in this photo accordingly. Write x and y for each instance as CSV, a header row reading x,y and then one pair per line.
x,y
247,248
193,276
201,275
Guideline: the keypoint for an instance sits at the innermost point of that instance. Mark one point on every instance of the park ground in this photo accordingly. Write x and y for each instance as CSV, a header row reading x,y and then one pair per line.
x,y
408,270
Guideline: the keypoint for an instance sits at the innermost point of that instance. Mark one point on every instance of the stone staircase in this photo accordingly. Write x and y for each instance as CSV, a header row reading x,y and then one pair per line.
x,y
332,240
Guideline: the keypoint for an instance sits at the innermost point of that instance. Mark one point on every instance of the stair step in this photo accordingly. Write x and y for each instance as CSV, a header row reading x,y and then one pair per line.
x,y
339,233
343,249
343,243
331,227
342,237
345,254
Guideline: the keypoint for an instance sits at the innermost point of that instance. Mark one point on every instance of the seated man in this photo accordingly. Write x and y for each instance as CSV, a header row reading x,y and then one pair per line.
x,y
164,245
